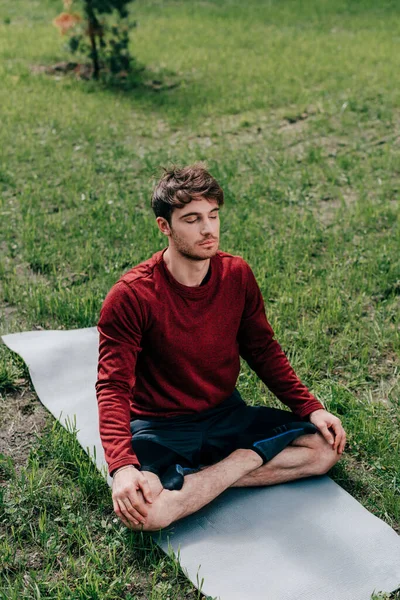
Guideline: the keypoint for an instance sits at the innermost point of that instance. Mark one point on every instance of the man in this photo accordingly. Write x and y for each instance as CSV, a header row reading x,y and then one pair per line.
x,y
175,431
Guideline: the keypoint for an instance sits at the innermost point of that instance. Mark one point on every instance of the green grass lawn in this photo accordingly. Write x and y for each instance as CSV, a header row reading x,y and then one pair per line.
x,y
295,107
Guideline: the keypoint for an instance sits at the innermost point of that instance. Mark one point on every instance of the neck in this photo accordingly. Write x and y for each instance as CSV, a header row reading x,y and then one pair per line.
x,y
185,270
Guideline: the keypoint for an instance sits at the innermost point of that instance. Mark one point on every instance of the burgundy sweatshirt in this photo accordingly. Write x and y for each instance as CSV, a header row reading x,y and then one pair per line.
x,y
167,349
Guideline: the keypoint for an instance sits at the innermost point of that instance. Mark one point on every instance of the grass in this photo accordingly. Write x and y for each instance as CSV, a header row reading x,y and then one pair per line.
x,y
292,105
64,540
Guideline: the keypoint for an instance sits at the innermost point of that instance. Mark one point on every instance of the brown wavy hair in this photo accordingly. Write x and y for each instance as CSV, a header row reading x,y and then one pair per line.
x,y
179,186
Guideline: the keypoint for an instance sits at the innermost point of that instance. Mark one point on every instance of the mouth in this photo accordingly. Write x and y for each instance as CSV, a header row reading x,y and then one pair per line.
x,y
207,243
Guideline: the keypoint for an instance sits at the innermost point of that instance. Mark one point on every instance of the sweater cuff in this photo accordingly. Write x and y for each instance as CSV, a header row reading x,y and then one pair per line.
x,y
310,408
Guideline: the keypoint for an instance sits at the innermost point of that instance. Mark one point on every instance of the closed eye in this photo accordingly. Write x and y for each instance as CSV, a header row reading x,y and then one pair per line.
x,y
194,220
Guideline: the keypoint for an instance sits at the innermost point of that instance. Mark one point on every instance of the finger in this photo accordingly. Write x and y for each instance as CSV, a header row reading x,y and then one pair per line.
x,y
132,501
343,443
327,434
338,431
130,512
138,512
339,434
128,523
146,491
121,516
138,504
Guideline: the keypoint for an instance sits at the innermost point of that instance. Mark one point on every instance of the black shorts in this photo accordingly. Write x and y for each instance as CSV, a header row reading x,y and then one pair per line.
x,y
204,438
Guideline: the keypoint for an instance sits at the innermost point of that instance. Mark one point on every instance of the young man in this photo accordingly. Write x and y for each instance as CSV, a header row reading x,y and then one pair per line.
x,y
175,431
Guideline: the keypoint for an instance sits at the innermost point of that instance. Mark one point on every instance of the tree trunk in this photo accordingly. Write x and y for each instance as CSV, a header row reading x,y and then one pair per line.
x,y
93,29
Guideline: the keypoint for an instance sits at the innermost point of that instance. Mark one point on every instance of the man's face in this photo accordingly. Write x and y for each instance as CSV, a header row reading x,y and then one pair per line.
x,y
192,226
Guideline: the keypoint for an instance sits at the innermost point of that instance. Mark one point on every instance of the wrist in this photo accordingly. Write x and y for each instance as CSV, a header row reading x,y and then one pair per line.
x,y
318,410
122,468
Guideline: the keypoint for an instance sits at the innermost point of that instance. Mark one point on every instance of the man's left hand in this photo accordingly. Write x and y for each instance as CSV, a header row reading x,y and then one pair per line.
x,y
330,427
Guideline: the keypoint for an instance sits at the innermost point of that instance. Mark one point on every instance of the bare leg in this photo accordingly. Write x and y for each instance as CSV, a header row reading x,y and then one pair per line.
x,y
198,489
307,455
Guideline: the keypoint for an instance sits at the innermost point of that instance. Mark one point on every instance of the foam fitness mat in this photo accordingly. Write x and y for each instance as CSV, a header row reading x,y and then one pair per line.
x,y
304,540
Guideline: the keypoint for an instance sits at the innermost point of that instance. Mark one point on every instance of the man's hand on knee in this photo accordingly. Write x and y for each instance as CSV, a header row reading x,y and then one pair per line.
x,y
130,494
330,427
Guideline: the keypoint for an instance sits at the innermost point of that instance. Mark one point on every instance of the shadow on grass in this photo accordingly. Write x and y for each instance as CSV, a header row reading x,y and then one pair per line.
x,y
142,82
172,94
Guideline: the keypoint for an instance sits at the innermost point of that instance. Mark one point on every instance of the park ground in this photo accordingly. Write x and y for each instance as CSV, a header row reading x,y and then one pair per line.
x,y
295,107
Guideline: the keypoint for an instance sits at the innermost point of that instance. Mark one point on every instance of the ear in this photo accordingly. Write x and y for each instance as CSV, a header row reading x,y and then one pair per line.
x,y
163,226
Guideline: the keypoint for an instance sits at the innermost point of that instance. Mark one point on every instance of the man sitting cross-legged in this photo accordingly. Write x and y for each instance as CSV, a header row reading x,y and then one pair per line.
x,y
175,430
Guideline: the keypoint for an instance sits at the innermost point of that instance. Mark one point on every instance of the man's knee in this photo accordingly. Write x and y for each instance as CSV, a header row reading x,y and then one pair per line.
x,y
324,456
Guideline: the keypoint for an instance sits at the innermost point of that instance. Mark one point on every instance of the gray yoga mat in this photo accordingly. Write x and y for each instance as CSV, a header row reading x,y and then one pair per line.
x,y
305,540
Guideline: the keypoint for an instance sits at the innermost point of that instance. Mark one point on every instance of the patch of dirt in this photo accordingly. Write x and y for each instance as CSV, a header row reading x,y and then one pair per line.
x,y
293,126
384,372
7,310
12,318
295,138
25,272
384,389
299,143
150,80
383,378
30,557
233,123
332,143
21,417
81,71
326,210
21,413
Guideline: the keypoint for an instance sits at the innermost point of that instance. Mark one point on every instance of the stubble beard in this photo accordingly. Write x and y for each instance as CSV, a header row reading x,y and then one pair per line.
x,y
189,253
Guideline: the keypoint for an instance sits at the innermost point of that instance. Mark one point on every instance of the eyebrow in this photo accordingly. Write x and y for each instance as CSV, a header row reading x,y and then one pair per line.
x,y
197,213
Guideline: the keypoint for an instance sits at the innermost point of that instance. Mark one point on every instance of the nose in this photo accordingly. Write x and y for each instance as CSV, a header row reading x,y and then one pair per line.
x,y
206,226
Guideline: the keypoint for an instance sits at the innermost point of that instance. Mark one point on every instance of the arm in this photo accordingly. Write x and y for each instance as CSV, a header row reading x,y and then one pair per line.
x,y
265,356
120,327
120,332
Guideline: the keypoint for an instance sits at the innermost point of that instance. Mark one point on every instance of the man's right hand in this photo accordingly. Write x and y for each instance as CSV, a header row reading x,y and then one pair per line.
x,y
130,493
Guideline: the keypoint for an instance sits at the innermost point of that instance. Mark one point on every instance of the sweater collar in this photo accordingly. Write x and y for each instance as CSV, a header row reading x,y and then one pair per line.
x,y
199,291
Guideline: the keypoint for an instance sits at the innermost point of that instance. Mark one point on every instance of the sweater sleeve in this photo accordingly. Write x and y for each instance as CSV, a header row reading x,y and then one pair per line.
x,y
265,356
120,331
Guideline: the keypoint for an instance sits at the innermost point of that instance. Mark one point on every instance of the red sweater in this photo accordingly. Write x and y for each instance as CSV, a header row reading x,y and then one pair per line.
x,y
167,349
